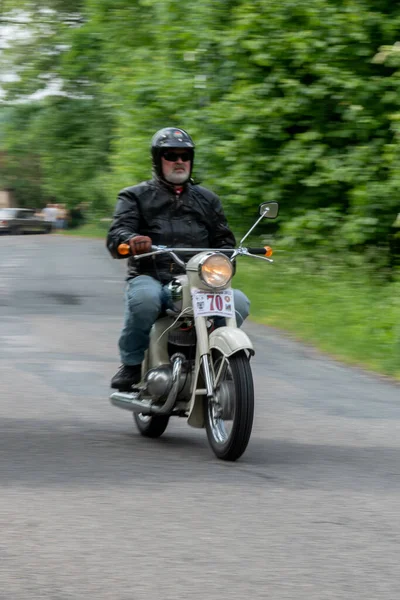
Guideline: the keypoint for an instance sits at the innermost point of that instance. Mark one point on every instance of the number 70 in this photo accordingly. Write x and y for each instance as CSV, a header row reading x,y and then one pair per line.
x,y
219,303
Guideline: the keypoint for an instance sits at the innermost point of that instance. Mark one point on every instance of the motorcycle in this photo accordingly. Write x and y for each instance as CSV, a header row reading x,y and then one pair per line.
x,y
196,367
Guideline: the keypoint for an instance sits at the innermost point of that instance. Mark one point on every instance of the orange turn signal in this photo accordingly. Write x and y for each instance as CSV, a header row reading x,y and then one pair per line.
x,y
124,249
268,251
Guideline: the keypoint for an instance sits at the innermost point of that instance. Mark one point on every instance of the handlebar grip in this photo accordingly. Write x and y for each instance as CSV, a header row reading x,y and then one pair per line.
x,y
125,249
266,251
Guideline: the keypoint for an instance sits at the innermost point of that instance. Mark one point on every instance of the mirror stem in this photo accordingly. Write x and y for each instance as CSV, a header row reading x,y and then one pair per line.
x,y
250,230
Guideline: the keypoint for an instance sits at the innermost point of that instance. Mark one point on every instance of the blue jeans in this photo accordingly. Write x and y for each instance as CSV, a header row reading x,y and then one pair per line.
x,y
145,298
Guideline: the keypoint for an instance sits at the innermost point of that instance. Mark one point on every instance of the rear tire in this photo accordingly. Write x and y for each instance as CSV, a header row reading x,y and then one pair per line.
x,y
235,391
151,427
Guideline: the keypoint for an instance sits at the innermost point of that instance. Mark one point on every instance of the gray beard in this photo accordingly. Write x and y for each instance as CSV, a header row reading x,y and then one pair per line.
x,y
177,178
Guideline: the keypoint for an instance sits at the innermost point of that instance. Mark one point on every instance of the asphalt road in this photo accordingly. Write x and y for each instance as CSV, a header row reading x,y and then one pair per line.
x,y
89,509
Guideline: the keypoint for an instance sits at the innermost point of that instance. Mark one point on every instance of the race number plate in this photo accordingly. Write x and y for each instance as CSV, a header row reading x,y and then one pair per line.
x,y
213,304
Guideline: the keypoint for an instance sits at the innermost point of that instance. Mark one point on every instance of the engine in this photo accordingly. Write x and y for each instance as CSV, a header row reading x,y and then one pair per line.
x,y
159,381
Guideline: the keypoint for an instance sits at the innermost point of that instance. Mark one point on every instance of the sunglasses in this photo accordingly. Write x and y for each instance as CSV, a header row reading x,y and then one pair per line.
x,y
172,156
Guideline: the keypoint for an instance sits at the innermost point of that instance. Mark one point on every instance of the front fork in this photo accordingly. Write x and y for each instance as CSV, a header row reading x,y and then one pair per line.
x,y
227,340
203,348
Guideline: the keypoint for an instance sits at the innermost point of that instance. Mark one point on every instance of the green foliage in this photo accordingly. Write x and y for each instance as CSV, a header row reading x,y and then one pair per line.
x,y
288,101
56,150
312,228
74,147
20,166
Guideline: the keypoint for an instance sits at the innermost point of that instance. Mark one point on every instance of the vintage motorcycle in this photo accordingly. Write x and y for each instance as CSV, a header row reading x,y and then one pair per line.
x,y
195,367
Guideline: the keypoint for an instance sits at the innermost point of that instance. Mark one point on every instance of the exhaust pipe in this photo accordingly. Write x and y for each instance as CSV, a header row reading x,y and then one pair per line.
x,y
133,403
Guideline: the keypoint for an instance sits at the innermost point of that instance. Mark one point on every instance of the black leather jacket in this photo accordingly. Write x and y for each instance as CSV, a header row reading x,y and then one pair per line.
x,y
194,218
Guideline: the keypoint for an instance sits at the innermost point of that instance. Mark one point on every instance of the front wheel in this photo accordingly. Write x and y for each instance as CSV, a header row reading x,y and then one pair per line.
x,y
152,427
229,414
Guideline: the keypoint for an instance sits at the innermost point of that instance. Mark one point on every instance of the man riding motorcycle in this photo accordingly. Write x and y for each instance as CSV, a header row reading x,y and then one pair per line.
x,y
168,210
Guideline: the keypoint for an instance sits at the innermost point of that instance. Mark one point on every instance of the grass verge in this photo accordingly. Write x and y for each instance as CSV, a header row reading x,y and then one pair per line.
x,y
93,230
340,310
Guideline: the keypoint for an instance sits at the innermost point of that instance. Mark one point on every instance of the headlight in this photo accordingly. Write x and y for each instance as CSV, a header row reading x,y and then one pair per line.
x,y
216,270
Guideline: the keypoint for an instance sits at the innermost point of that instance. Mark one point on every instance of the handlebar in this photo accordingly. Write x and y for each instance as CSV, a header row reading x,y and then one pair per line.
x,y
265,252
125,250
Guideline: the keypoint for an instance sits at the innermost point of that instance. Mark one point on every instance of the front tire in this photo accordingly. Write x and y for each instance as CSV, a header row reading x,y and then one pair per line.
x,y
229,415
152,427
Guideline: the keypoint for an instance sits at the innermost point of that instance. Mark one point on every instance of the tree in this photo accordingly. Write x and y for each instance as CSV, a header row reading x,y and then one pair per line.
x,y
287,101
66,127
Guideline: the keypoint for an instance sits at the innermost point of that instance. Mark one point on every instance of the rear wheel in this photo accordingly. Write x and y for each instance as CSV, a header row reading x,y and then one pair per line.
x,y
151,426
229,414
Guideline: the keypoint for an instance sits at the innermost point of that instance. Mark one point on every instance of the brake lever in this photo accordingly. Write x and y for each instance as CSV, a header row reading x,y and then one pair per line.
x,y
270,260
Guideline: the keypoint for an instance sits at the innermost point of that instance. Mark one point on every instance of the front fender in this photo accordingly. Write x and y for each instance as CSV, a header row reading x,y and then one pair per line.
x,y
229,340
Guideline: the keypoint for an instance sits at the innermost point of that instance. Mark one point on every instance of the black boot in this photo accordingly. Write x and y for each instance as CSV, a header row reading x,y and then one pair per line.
x,y
126,377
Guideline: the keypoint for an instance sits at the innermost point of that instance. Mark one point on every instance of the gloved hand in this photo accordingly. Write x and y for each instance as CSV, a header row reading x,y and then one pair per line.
x,y
140,244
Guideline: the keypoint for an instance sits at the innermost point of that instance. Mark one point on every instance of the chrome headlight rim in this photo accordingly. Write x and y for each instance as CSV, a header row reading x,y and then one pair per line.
x,y
201,274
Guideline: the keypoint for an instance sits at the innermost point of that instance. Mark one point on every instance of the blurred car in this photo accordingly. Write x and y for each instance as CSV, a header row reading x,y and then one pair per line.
x,y
22,220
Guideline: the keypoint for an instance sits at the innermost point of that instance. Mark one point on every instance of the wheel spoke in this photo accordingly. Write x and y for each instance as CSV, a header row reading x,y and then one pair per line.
x,y
220,430
224,364
221,409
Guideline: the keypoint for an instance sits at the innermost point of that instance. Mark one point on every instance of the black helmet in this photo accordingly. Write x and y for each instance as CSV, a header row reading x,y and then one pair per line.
x,y
169,137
